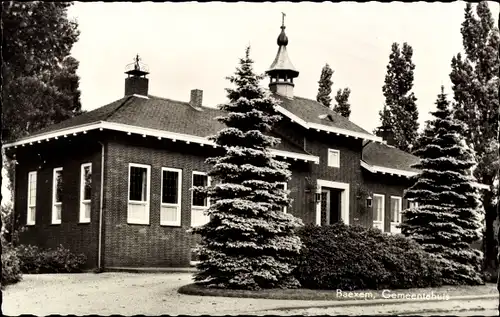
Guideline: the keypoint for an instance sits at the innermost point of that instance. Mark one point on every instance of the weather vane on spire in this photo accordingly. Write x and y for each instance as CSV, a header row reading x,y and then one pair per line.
x,y
283,19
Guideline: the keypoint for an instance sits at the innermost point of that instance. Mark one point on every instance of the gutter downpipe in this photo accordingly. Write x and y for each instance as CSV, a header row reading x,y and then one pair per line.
x,y
101,204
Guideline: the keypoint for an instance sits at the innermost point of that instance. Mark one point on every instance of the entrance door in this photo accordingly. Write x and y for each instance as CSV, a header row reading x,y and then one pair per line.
x,y
330,205
335,206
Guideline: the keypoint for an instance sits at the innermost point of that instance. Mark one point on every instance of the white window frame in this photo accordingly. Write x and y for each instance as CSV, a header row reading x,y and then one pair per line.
x,y
394,224
55,204
412,203
329,161
199,208
179,197
84,202
146,203
379,223
31,205
285,184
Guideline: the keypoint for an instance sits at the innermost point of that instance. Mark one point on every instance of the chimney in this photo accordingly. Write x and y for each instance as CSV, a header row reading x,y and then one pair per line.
x,y
136,82
388,136
196,98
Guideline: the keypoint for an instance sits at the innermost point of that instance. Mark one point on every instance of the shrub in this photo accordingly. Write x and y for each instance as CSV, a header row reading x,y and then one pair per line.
x,y
61,260
354,257
11,272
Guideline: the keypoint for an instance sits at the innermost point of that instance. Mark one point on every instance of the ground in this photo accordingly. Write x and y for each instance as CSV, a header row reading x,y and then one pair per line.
x,y
156,294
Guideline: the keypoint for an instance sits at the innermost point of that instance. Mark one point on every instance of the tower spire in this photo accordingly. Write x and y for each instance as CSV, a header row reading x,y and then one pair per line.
x,y
282,72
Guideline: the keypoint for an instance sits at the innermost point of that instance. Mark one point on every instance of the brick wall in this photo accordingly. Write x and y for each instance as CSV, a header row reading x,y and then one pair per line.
x,y
388,186
43,158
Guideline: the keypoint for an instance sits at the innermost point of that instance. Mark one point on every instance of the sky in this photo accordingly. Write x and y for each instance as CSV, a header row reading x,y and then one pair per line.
x,y
196,45
191,45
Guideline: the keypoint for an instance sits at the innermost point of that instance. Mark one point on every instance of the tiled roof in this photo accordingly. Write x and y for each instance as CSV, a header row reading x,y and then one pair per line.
x,y
158,113
99,114
180,117
387,156
312,111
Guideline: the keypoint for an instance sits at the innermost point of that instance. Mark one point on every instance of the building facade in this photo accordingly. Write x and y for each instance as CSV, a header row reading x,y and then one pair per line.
x,y
114,183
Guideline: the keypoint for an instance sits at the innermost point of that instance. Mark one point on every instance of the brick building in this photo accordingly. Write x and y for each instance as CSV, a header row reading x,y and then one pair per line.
x,y
114,183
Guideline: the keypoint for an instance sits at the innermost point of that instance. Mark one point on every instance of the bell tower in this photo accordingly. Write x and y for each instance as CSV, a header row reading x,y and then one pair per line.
x,y
282,72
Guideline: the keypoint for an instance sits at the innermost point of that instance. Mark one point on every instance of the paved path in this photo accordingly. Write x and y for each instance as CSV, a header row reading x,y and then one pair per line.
x,y
156,294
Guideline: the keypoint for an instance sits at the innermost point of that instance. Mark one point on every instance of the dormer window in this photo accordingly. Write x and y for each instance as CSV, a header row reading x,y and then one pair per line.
x,y
333,158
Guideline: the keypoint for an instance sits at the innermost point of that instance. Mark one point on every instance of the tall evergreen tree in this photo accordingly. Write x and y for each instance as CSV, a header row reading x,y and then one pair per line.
x,y
342,98
446,220
400,111
475,79
249,242
325,86
424,138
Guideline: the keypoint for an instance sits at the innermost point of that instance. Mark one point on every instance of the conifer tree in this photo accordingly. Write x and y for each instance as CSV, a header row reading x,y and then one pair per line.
x,y
249,243
424,138
325,86
446,220
400,112
342,98
475,79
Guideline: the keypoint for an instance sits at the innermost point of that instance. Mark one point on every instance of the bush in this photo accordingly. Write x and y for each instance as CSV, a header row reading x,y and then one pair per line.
x,y
354,257
61,260
11,272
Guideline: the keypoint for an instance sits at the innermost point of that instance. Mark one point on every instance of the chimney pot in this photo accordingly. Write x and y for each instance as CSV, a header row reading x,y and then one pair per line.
x,y
196,98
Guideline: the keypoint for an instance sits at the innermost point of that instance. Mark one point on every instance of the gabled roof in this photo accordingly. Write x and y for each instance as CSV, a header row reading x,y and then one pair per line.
x,y
312,111
385,157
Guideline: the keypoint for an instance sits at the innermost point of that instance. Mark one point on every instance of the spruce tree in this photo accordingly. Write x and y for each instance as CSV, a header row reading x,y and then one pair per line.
x,y
325,86
475,78
424,138
446,220
400,111
249,243
342,98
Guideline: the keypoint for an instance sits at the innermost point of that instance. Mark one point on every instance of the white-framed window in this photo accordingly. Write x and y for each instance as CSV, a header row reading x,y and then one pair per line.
x,y
333,158
85,192
396,207
199,203
412,203
378,211
139,180
283,185
171,188
57,190
31,217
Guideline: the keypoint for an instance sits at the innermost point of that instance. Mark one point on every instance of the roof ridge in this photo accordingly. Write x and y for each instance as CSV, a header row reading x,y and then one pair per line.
x,y
119,107
168,99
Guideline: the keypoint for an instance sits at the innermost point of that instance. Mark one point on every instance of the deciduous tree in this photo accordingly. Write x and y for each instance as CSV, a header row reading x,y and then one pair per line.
x,y
475,79
400,113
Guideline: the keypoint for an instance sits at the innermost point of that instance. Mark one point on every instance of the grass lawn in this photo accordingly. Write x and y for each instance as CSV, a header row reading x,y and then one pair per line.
x,y
337,295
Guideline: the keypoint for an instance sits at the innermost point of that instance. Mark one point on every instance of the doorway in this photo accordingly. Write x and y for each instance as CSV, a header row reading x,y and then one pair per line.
x,y
334,203
331,205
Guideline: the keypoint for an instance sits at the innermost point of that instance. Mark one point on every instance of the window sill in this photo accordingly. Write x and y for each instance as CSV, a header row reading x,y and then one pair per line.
x,y
139,223
200,207
30,224
84,222
333,166
170,225
55,223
